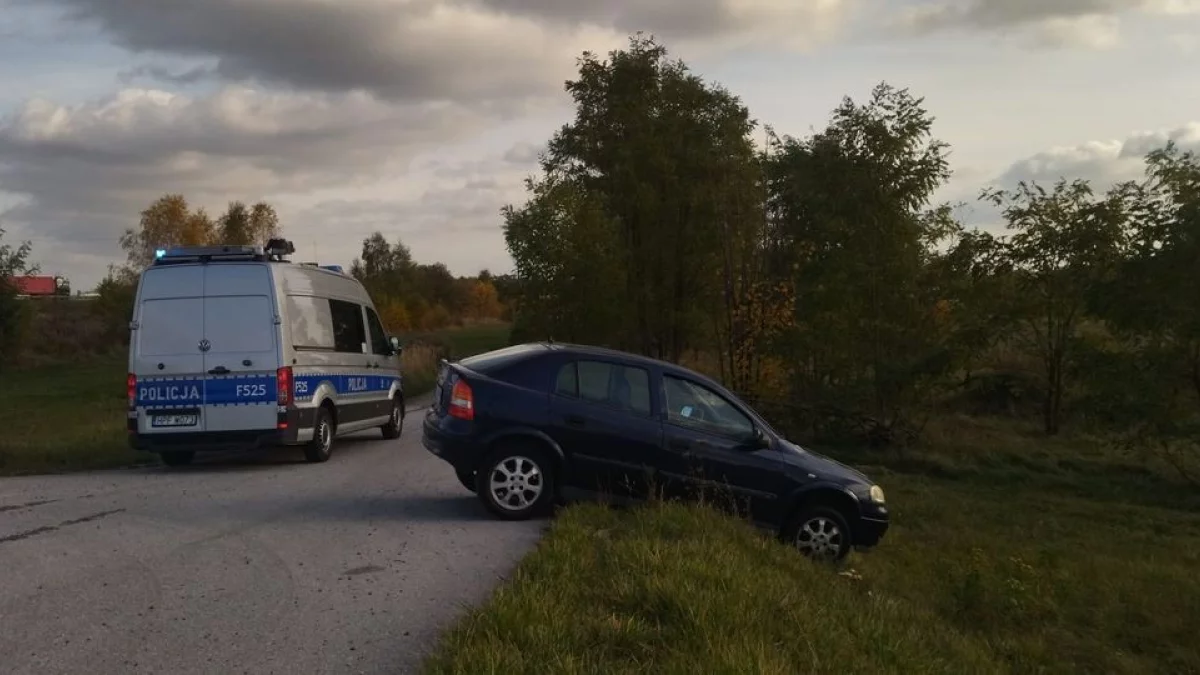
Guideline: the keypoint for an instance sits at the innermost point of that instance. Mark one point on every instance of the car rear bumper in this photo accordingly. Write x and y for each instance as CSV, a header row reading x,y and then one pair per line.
x,y
870,532
455,449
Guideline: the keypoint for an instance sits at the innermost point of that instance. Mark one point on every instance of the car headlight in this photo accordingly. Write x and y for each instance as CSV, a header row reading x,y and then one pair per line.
x,y
876,494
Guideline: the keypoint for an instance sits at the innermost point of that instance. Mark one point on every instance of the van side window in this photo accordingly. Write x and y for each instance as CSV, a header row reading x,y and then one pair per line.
x,y
379,341
349,334
311,324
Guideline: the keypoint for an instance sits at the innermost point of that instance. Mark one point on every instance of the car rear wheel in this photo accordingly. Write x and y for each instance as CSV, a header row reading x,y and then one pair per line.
x,y
395,424
516,482
321,445
178,458
820,533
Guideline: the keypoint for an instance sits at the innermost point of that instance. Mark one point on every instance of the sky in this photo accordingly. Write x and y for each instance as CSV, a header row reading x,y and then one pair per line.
x,y
421,118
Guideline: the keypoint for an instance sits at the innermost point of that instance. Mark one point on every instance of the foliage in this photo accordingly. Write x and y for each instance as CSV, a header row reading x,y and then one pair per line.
x,y
170,221
14,261
422,297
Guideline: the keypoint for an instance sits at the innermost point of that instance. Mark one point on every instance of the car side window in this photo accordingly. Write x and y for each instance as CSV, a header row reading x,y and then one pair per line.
x,y
349,334
567,383
379,341
694,405
621,387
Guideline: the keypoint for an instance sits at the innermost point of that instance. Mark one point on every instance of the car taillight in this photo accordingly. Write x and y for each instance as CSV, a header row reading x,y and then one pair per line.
x,y
462,401
131,390
283,383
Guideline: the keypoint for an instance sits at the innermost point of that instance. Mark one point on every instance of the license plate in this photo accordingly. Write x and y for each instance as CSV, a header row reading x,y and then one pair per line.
x,y
174,420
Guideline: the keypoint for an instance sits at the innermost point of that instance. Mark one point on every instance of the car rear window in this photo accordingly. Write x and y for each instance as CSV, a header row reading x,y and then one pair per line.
x,y
492,363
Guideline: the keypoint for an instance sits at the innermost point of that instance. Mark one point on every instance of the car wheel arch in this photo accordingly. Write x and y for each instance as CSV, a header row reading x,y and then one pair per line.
x,y
823,494
521,434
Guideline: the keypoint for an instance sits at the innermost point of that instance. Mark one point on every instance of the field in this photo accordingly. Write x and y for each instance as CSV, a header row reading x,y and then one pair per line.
x,y
72,417
1000,559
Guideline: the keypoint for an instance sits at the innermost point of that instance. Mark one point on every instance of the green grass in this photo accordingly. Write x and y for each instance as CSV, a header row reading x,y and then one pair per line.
x,y
975,576
72,417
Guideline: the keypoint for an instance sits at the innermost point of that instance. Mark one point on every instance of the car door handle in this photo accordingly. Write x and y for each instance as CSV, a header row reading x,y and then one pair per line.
x,y
219,370
575,421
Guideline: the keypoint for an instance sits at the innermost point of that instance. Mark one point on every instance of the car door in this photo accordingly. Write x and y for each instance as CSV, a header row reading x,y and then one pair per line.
x,y
603,417
384,363
715,440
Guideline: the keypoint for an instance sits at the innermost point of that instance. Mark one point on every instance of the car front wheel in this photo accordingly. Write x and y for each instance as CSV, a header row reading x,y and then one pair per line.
x,y
821,533
516,482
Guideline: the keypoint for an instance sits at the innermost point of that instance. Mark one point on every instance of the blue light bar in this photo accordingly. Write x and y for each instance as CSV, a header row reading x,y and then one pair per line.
x,y
160,253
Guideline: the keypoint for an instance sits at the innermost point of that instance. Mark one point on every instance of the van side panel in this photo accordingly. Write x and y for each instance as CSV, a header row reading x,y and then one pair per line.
x,y
347,378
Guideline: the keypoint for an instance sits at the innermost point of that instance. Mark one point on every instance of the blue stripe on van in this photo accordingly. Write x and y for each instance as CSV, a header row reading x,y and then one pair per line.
x,y
344,385
229,390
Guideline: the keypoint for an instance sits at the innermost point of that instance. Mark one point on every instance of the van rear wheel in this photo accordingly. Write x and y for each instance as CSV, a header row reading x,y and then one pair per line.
x,y
178,458
321,445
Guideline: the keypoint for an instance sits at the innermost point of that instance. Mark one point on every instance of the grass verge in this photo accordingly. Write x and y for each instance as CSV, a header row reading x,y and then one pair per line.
x,y
72,417
969,580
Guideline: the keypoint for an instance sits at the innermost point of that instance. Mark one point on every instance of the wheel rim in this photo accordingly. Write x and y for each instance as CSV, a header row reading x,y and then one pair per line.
x,y
820,538
326,436
395,414
516,483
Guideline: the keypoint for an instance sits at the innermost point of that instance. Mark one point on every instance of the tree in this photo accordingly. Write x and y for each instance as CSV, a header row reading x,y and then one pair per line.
x,y
850,224
168,222
248,226
1065,243
14,261
650,164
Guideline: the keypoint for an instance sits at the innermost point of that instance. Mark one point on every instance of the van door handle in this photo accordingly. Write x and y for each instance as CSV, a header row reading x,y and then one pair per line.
x,y
219,370
575,421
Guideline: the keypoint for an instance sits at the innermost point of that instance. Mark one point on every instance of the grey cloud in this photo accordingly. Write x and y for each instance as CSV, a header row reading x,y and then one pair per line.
x,y
992,14
413,49
82,174
1104,163
159,73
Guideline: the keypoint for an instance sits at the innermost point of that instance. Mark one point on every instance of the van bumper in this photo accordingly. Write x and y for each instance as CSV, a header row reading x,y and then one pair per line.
x,y
209,440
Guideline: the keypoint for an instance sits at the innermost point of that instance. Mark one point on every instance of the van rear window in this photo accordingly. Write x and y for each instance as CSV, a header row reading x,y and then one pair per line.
x,y
239,324
170,327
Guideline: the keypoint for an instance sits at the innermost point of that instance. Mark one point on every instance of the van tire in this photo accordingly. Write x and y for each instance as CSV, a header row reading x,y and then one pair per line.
x,y
395,426
321,445
178,458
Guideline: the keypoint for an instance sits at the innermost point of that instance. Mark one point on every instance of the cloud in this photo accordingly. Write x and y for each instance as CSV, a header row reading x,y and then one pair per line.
x,y
428,49
1104,163
1094,24
80,174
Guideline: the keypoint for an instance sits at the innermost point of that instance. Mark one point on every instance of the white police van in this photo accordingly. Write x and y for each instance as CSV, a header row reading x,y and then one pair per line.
x,y
235,347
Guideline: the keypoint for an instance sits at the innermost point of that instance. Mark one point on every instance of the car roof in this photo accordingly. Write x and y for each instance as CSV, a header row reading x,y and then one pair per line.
x,y
628,357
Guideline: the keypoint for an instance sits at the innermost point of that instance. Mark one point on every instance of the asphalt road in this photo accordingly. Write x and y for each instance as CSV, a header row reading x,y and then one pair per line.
x,y
247,565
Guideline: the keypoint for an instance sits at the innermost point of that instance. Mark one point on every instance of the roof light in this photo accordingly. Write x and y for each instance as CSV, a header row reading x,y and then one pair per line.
x,y
160,253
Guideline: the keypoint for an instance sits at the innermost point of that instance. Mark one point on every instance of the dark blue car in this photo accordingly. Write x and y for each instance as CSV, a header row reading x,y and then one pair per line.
x,y
527,426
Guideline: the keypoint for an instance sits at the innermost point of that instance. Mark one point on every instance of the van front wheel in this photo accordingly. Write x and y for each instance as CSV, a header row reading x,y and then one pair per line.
x,y
321,445
395,423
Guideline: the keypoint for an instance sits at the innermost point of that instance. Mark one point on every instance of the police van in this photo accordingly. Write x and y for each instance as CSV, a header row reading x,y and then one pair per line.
x,y
235,347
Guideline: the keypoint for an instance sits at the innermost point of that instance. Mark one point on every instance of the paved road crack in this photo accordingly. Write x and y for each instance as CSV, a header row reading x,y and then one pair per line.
x,y
51,528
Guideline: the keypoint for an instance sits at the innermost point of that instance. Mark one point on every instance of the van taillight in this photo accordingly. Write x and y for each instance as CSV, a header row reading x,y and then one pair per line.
x,y
462,401
283,382
131,390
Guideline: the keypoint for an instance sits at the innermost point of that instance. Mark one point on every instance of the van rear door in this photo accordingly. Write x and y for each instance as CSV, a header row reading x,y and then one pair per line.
x,y
241,349
167,358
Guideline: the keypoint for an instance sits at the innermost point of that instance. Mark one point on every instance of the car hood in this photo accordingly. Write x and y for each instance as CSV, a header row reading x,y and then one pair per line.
x,y
821,466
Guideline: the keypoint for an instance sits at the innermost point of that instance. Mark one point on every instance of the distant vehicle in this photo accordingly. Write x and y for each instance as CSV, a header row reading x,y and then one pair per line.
x,y
33,286
235,347
531,424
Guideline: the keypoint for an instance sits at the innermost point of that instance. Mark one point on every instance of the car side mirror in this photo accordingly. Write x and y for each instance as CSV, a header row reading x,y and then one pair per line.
x,y
397,348
760,440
